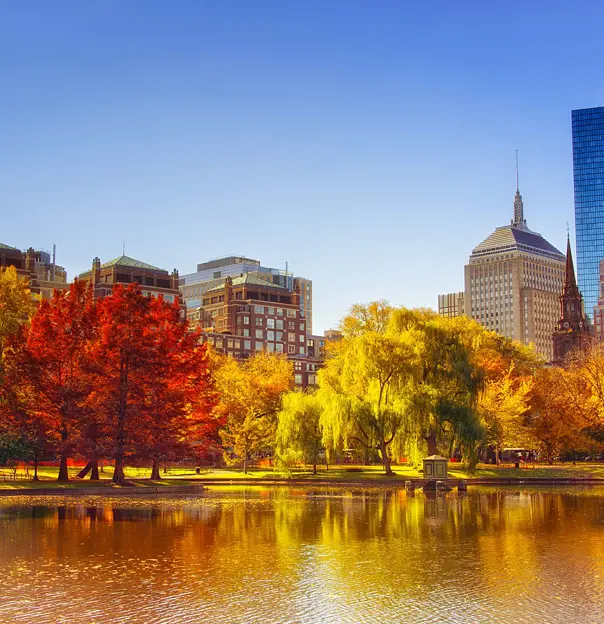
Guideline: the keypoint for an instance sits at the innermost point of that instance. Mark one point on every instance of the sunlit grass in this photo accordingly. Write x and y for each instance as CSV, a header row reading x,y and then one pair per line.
x,y
341,473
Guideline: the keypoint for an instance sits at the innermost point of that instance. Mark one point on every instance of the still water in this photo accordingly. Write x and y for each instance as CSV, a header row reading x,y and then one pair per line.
x,y
255,555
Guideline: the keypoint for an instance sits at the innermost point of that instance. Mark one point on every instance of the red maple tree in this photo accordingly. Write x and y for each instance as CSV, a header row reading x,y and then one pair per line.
x,y
152,382
47,363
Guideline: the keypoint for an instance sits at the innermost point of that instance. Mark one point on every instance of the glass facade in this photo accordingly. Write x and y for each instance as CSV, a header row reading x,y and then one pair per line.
x,y
588,168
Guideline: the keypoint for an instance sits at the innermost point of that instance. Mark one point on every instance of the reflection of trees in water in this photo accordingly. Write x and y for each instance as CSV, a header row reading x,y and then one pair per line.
x,y
480,537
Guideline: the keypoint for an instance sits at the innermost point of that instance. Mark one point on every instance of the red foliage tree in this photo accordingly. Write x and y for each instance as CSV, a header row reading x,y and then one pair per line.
x,y
151,378
47,364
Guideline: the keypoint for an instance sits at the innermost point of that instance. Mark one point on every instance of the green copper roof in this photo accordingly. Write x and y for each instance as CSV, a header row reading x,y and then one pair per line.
x,y
3,246
126,261
248,280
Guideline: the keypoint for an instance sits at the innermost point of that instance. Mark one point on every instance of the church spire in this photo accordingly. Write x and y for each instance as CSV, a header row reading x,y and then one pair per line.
x,y
570,282
518,220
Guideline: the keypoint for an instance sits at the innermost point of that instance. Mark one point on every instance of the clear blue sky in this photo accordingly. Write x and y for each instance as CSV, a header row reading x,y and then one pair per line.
x,y
369,144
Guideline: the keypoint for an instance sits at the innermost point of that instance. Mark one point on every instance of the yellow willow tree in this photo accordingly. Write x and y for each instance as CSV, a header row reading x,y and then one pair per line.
x,y
361,385
250,399
299,431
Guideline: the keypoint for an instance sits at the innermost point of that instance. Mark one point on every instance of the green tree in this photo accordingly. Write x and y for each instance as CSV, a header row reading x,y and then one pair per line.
x,y
446,381
299,431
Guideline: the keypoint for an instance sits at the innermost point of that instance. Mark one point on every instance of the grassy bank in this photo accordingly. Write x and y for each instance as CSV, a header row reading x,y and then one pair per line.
x,y
340,474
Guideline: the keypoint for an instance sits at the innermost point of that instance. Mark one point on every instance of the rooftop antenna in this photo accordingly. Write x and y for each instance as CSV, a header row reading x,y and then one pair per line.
x,y
124,247
517,185
567,230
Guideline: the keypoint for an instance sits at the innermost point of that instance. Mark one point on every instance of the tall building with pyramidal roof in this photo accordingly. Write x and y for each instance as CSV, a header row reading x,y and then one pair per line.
x,y
572,331
513,282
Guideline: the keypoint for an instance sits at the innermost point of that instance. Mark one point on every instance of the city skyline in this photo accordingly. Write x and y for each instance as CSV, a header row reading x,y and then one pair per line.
x,y
314,135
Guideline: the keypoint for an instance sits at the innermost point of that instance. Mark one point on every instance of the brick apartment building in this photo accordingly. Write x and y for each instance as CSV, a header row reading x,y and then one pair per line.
x,y
247,314
154,282
36,266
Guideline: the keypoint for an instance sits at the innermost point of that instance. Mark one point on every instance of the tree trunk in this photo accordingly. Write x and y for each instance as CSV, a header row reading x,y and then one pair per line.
x,y
87,468
431,440
94,475
119,478
63,472
36,478
314,468
385,458
155,475
245,464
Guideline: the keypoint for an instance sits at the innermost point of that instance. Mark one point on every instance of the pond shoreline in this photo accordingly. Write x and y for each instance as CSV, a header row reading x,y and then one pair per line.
x,y
199,485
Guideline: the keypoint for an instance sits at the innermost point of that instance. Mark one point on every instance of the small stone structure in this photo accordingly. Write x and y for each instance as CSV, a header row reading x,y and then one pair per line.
x,y
435,473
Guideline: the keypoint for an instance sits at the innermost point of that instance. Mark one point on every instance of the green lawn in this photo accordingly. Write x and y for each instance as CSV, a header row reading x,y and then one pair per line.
x,y
352,474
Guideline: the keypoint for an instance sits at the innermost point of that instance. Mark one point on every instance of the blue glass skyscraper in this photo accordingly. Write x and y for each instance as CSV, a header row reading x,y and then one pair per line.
x,y
588,168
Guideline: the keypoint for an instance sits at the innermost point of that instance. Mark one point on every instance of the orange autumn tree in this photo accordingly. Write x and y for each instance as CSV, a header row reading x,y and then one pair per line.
x,y
47,365
554,422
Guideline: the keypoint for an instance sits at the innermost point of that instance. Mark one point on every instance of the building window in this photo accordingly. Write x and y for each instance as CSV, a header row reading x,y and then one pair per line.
x,y
247,345
246,320
279,311
217,274
279,324
279,348
301,326
246,332
301,350
291,313
291,337
270,334
270,347
270,323
259,334
259,309
271,311
312,380
291,325
301,337
279,336
229,344
259,346
298,380
298,366
291,349
258,321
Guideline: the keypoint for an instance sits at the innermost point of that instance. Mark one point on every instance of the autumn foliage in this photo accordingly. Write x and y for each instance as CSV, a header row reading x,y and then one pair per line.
x,y
121,378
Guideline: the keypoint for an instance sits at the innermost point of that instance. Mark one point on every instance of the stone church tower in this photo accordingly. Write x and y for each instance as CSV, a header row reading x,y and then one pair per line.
x,y
572,330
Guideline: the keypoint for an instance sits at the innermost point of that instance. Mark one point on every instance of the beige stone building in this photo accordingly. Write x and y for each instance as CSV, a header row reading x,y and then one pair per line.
x,y
513,282
451,304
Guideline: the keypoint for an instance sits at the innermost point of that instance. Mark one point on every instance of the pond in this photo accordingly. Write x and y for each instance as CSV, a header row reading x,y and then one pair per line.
x,y
307,555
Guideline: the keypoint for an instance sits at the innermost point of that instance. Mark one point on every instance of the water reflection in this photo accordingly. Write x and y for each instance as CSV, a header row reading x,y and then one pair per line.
x,y
306,555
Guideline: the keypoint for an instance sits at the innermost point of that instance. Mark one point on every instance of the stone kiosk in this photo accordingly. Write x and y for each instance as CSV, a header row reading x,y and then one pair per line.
x,y
435,472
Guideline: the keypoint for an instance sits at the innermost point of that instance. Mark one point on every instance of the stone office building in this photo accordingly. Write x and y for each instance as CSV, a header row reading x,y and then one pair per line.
x,y
513,282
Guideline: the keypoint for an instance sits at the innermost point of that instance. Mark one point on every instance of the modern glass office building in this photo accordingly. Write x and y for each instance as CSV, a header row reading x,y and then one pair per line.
x,y
588,168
